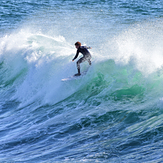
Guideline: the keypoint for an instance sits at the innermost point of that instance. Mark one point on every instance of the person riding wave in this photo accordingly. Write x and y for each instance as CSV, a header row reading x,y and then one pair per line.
x,y
86,56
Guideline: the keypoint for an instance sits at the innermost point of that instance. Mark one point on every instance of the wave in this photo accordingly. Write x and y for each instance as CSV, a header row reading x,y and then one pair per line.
x,y
34,64
115,106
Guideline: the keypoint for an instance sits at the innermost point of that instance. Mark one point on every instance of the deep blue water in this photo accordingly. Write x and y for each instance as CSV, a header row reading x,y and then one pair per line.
x,y
113,113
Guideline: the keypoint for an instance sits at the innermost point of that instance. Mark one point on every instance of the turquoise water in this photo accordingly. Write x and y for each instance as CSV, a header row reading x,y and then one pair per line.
x,y
113,113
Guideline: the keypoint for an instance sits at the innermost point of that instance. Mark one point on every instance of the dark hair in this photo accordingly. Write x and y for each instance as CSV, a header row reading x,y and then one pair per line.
x,y
78,43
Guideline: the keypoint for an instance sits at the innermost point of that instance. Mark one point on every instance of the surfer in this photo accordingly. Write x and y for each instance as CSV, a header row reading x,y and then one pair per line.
x,y
86,56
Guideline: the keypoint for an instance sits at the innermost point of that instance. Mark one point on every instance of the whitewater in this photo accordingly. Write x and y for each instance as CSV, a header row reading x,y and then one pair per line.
x,y
111,114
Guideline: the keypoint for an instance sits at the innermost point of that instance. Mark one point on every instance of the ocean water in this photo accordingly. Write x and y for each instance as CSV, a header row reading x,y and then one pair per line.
x,y
114,113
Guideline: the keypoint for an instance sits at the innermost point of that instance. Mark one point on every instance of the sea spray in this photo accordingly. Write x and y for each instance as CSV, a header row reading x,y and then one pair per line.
x,y
140,46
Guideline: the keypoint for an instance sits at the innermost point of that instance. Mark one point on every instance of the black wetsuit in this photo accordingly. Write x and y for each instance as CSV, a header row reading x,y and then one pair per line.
x,y
86,55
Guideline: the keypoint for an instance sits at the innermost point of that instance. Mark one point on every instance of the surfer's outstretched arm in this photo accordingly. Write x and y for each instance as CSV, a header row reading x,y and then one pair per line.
x,y
88,47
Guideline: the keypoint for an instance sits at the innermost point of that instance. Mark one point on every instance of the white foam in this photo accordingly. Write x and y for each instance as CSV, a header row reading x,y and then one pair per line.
x,y
141,46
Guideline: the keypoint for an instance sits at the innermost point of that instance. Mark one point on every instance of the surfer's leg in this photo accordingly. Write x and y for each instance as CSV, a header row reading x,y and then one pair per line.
x,y
78,65
89,61
80,61
88,58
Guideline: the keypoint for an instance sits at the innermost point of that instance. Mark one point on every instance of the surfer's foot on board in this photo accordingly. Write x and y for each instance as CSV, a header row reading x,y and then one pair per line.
x,y
78,74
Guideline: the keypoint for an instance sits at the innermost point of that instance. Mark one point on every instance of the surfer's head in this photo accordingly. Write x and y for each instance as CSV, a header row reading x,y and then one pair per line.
x,y
77,44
